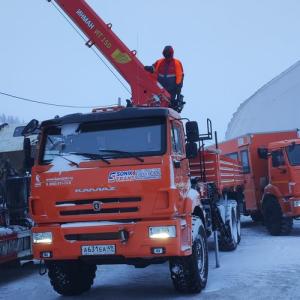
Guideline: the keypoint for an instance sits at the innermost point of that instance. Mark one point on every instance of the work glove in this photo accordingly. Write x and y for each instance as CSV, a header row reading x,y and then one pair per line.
x,y
149,69
178,88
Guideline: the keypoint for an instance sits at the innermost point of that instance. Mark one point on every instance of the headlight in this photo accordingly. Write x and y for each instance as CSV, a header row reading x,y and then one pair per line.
x,y
297,203
42,237
162,232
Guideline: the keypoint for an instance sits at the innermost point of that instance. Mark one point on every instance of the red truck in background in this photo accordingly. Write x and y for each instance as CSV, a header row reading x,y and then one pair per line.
x,y
271,168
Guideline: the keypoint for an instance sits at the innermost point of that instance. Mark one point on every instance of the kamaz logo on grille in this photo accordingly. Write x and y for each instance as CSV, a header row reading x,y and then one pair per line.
x,y
97,205
94,190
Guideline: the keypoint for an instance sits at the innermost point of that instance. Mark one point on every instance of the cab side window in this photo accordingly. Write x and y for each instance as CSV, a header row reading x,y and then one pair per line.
x,y
233,155
277,158
177,139
245,161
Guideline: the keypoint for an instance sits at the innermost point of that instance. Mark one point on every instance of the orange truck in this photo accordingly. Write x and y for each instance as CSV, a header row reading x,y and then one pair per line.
x,y
117,187
128,185
271,166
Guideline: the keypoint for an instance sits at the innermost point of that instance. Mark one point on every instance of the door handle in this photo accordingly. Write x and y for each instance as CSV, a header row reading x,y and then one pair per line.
x,y
176,163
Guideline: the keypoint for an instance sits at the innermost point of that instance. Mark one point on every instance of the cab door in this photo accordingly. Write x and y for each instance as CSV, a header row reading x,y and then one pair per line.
x,y
279,173
178,161
249,192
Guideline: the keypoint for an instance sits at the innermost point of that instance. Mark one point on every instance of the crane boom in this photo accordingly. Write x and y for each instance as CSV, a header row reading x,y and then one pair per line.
x,y
145,89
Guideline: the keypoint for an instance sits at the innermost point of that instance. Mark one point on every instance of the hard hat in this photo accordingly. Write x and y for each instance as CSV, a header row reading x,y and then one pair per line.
x,y
168,52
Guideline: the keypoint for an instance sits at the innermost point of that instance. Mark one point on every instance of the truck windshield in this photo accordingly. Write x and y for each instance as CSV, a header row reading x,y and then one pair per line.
x,y
125,138
293,152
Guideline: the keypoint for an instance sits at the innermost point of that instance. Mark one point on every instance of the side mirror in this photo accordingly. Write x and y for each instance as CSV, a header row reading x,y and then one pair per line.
x,y
262,153
28,160
191,150
192,132
30,127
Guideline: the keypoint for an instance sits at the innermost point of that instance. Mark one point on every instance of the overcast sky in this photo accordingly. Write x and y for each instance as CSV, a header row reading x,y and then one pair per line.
x,y
228,49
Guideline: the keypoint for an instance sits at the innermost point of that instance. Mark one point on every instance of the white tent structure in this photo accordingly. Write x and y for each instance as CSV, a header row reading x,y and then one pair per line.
x,y
9,142
274,107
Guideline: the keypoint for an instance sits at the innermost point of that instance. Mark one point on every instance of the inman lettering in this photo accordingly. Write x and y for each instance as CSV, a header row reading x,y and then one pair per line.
x,y
85,19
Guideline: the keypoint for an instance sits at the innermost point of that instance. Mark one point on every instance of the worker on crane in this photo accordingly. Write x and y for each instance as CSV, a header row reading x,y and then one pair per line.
x,y
170,75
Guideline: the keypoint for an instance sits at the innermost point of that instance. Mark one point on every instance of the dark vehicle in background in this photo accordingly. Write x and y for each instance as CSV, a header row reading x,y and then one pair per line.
x,y
15,224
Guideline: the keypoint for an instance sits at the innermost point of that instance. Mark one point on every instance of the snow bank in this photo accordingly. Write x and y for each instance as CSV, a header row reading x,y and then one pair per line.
x,y
5,231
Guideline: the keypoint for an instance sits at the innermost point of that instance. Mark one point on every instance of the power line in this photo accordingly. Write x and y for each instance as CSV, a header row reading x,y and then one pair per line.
x,y
94,50
43,102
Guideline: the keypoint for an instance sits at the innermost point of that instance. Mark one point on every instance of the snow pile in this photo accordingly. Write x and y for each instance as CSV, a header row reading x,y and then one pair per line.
x,y
6,231
12,229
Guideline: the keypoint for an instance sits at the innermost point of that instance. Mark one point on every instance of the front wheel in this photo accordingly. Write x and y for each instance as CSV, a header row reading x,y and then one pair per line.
x,y
70,278
189,273
275,222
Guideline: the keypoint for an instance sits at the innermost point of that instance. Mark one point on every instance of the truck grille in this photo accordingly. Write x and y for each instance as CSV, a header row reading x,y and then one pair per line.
x,y
103,236
105,206
102,211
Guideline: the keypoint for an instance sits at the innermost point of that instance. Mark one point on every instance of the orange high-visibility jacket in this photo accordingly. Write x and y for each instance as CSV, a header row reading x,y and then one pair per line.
x,y
167,70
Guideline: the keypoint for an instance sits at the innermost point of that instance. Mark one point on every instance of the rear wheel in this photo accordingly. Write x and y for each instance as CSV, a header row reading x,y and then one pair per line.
x,y
238,221
189,273
275,222
70,278
257,216
230,240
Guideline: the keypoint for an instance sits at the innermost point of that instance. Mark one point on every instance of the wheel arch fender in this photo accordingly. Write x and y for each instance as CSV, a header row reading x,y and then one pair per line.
x,y
196,224
199,212
271,190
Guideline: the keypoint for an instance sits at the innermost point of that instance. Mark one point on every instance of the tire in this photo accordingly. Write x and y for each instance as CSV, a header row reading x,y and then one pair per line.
x,y
70,278
239,231
189,273
275,222
257,216
230,241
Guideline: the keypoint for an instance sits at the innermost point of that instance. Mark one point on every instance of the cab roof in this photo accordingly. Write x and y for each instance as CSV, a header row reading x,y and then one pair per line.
x,y
284,143
121,114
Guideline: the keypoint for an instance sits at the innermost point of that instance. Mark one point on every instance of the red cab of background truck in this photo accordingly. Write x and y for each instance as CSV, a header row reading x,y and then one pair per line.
x,y
271,168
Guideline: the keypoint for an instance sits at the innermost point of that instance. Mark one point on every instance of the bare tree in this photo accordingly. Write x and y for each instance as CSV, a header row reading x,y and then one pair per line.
x,y
9,119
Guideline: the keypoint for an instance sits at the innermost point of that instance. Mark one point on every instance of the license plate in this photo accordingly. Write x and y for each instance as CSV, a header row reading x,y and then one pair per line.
x,y
98,250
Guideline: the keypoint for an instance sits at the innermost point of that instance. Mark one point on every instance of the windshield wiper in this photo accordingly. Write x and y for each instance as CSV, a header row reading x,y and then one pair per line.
x,y
122,152
92,156
69,160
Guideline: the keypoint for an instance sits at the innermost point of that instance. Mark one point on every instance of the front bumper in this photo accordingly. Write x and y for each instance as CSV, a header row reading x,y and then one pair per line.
x,y
295,206
137,243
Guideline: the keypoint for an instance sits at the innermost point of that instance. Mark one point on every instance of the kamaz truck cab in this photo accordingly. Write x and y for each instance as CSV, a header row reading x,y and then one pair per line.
x,y
281,201
114,187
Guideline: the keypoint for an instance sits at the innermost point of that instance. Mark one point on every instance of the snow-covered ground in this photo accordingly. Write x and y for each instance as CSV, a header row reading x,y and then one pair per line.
x,y
263,267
